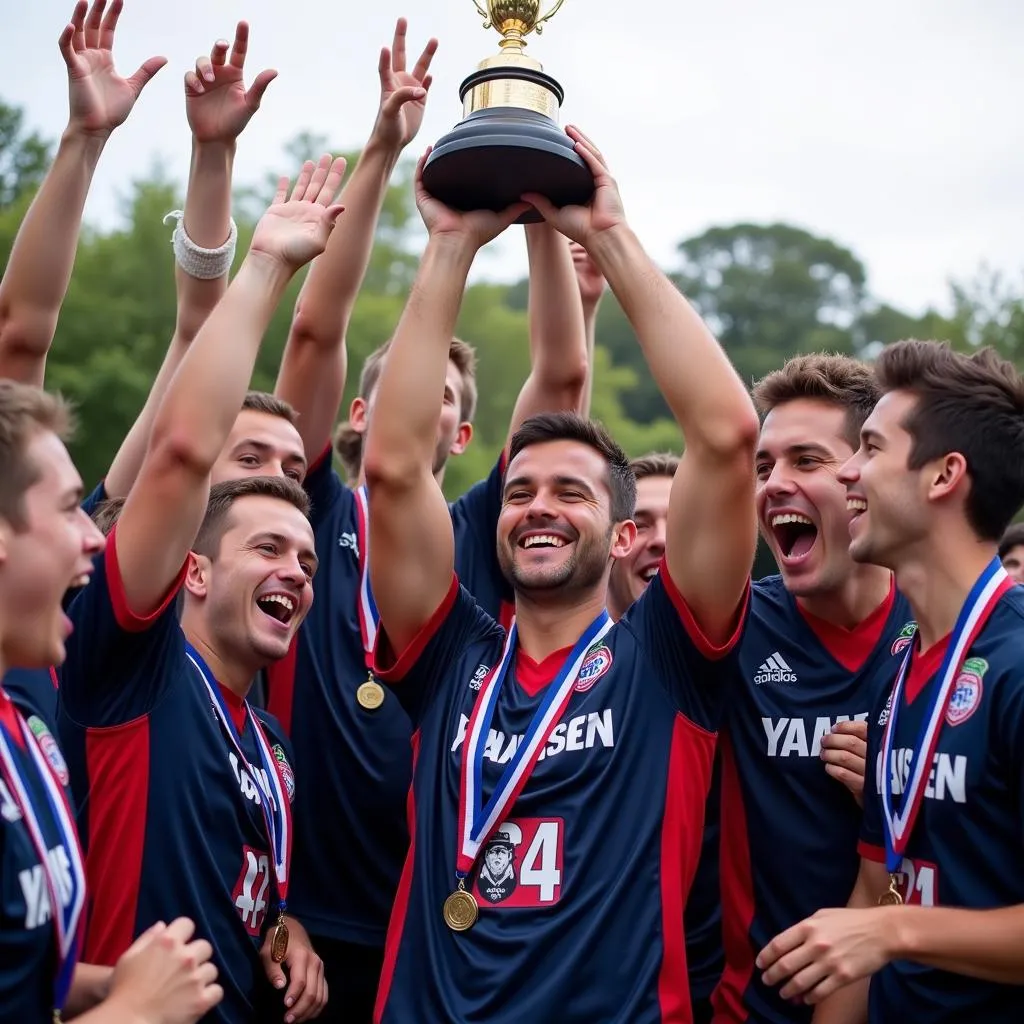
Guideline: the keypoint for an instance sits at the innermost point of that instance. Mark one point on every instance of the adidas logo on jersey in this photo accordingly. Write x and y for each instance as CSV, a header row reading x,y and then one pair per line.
x,y
774,670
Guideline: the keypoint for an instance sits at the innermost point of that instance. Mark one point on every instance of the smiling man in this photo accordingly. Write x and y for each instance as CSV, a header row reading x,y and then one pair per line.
x,y
818,651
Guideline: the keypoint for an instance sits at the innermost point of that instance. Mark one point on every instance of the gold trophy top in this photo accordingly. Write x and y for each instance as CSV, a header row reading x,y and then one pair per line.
x,y
515,20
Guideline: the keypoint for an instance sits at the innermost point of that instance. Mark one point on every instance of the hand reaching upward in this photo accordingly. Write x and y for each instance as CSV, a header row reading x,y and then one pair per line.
x,y
100,99
403,94
295,229
217,104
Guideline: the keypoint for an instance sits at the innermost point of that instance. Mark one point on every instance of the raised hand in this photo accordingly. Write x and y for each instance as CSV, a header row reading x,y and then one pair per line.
x,y
295,229
590,280
100,99
217,104
476,226
164,978
403,94
604,211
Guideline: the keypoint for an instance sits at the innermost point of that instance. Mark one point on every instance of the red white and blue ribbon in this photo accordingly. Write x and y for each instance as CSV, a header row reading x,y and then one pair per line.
x,y
66,892
369,617
982,599
477,820
277,813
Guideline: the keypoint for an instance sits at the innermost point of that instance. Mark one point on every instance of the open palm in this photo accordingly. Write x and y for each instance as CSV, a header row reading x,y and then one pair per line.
x,y
295,229
100,99
217,104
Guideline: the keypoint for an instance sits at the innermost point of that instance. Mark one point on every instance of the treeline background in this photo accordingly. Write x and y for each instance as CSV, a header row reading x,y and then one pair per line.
x,y
768,290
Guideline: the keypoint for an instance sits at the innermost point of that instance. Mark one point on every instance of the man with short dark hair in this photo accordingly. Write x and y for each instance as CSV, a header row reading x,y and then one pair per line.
x,y
186,792
593,739
935,481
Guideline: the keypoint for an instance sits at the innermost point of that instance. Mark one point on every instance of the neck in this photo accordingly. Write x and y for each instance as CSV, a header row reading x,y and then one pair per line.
x,y
863,590
545,627
228,671
937,579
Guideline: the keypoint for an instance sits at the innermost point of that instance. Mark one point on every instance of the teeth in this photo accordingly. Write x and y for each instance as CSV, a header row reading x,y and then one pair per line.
x,y
791,517
282,599
648,574
856,505
543,538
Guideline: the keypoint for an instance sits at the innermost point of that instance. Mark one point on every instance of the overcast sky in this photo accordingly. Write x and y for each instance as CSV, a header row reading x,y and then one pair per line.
x,y
892,126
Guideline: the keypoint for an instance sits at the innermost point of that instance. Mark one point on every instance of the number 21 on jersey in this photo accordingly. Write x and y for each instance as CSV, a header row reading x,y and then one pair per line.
x,y
521,864
918,881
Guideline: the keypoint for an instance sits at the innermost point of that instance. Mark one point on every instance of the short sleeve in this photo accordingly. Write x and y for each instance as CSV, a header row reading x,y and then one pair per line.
x,y
118,664
94,499
475,524
872,839
696,673
417,674
324,487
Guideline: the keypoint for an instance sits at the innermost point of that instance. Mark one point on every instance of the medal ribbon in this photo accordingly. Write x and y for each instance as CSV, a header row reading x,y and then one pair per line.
x,y
478,821
67,916
369,617
982,599
277,814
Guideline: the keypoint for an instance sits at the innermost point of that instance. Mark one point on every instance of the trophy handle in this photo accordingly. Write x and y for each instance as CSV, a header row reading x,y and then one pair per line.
x,y
537,25
487,14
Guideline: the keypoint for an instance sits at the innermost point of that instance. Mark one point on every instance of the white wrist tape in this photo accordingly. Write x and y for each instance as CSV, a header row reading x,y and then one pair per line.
x,y
203,264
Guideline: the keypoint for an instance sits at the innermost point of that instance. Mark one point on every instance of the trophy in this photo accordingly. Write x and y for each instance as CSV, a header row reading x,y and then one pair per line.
x,y
508,142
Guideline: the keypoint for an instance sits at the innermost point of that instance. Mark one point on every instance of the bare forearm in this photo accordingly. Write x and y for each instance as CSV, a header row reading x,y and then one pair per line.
x,y
205,395
89,987
986,944
847,1006
590,329
402,437
39,269
706,396
330,290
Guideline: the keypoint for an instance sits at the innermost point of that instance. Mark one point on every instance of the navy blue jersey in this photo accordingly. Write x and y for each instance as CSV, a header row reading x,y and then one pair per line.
x,y
94,498
34,689
28,949
966,846
171,821
582,917
789,830
702,920
351,833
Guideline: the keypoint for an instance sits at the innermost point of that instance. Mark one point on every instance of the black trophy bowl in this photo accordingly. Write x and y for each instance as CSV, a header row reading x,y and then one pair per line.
x,y
497,154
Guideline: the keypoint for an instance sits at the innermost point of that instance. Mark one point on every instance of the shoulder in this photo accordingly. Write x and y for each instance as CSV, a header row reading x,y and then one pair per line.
x,y
769,594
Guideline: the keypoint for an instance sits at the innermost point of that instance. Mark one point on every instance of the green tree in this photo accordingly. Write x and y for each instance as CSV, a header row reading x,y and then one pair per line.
x,y
24,156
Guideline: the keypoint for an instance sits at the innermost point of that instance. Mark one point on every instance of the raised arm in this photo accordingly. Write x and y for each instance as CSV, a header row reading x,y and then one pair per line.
x,y
711,532
558,341
164,510
39,269
412,554
218,108
592,286
312,375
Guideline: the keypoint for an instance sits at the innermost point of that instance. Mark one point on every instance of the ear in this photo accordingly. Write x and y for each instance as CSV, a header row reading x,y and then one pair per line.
x,y
5,540
462,438
197,577
357,415
947,476
623,537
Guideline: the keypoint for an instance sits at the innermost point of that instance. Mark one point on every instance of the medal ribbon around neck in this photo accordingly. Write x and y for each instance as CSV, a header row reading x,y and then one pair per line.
x,y
66,918
369,617
982,599
277,812
476,820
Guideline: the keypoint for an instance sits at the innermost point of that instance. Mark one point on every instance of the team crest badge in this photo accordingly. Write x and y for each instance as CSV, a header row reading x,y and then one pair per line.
x,y
48,745
595,664
966,695
905,638
287,775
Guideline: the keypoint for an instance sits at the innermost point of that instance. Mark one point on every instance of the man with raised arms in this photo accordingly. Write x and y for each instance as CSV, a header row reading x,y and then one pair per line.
x,y
820,648
185,793
352,833
935,482
586,744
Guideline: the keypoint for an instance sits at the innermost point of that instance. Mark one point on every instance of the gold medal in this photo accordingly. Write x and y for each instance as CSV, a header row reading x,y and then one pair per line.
x,y
460,910
891,897
279,943
370,695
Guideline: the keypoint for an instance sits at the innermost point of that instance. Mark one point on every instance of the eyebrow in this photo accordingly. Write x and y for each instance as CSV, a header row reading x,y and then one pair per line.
x,y
870,435
806,448
562,480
